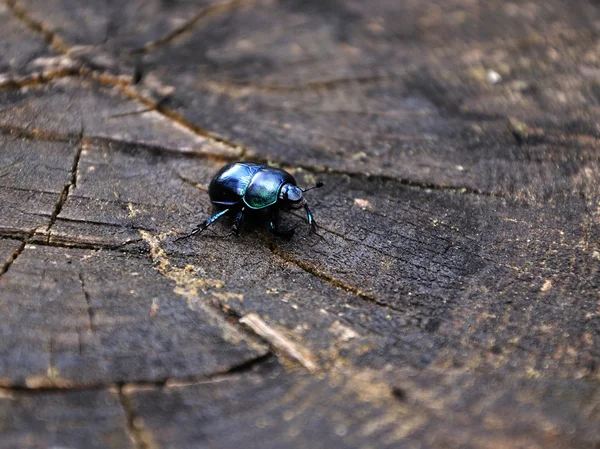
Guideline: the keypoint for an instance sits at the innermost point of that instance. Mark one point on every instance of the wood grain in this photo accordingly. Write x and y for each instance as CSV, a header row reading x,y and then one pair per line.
x,y
450,299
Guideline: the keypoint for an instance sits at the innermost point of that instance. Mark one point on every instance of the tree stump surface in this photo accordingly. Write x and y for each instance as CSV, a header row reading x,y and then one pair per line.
x,y
451,300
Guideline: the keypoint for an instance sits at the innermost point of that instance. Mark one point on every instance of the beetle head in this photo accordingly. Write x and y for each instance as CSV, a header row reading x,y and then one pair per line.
x,y
291,196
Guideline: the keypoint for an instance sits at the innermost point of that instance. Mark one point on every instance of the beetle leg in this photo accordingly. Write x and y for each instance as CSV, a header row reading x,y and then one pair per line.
x,y
310,219
274,225
205,224
237,224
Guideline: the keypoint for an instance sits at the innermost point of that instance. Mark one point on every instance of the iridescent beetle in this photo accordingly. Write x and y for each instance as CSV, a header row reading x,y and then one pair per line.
x,y
244,187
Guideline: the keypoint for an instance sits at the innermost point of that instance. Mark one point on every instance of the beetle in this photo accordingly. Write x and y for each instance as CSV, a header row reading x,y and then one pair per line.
x,y
246,187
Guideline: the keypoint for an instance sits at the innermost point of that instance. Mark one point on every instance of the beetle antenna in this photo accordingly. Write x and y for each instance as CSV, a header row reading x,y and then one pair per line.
x,y
319,184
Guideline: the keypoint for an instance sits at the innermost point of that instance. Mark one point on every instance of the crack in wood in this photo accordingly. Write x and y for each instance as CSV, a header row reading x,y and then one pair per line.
x,y
44,135
187,286
52,38
204,14
139,435
11,259
28,237
416,184
88,300
37,78
393,256
332,281
129,113
277,343
247,366
327,84
191,182
59,242
64,193
421,185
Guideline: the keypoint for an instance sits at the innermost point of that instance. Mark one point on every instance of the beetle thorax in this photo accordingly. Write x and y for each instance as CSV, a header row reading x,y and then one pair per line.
x,y
291,195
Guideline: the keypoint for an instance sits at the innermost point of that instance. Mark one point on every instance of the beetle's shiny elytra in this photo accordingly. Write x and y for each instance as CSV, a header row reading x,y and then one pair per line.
x,y
242,187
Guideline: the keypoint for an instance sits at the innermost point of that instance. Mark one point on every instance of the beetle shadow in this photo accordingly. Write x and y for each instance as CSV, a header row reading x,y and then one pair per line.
x,y
302,219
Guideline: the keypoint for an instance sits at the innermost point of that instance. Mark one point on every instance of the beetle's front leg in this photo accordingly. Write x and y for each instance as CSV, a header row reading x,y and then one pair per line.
x,y
310,219
274,225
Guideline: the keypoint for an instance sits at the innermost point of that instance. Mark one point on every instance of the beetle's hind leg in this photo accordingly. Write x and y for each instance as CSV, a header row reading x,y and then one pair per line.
x,y
205,224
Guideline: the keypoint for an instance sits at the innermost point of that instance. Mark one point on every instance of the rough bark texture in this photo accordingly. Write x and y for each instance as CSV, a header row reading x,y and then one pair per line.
x,y
451,300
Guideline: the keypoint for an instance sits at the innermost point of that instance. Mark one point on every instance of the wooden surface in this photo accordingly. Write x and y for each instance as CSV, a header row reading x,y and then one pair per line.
x,y
452,301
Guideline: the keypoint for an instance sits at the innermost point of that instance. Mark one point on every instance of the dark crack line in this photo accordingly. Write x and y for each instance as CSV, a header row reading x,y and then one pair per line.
x,y
242,368
38,78
386,254
191,182
69,244
17,234
135,427
99,223
16,253
140,436
416,184
128,113
29,237
50,36
204,14
173,116
70,184
50,136
327,84
90,309
332,281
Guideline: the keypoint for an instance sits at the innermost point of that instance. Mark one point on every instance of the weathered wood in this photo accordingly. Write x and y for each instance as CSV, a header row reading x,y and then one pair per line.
x,y
451,298
274,409
93,419
21,49
35,175
81,317
270,409
9,250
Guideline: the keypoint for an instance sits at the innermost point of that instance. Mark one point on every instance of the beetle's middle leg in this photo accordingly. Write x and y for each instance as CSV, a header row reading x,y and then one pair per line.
x,y
274,225
239,219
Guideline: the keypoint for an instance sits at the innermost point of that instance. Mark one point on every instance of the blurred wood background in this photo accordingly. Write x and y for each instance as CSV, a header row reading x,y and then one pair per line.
x,y
453,300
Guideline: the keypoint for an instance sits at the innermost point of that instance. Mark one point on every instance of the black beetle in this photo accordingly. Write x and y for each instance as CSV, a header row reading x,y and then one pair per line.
x,y
243,187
